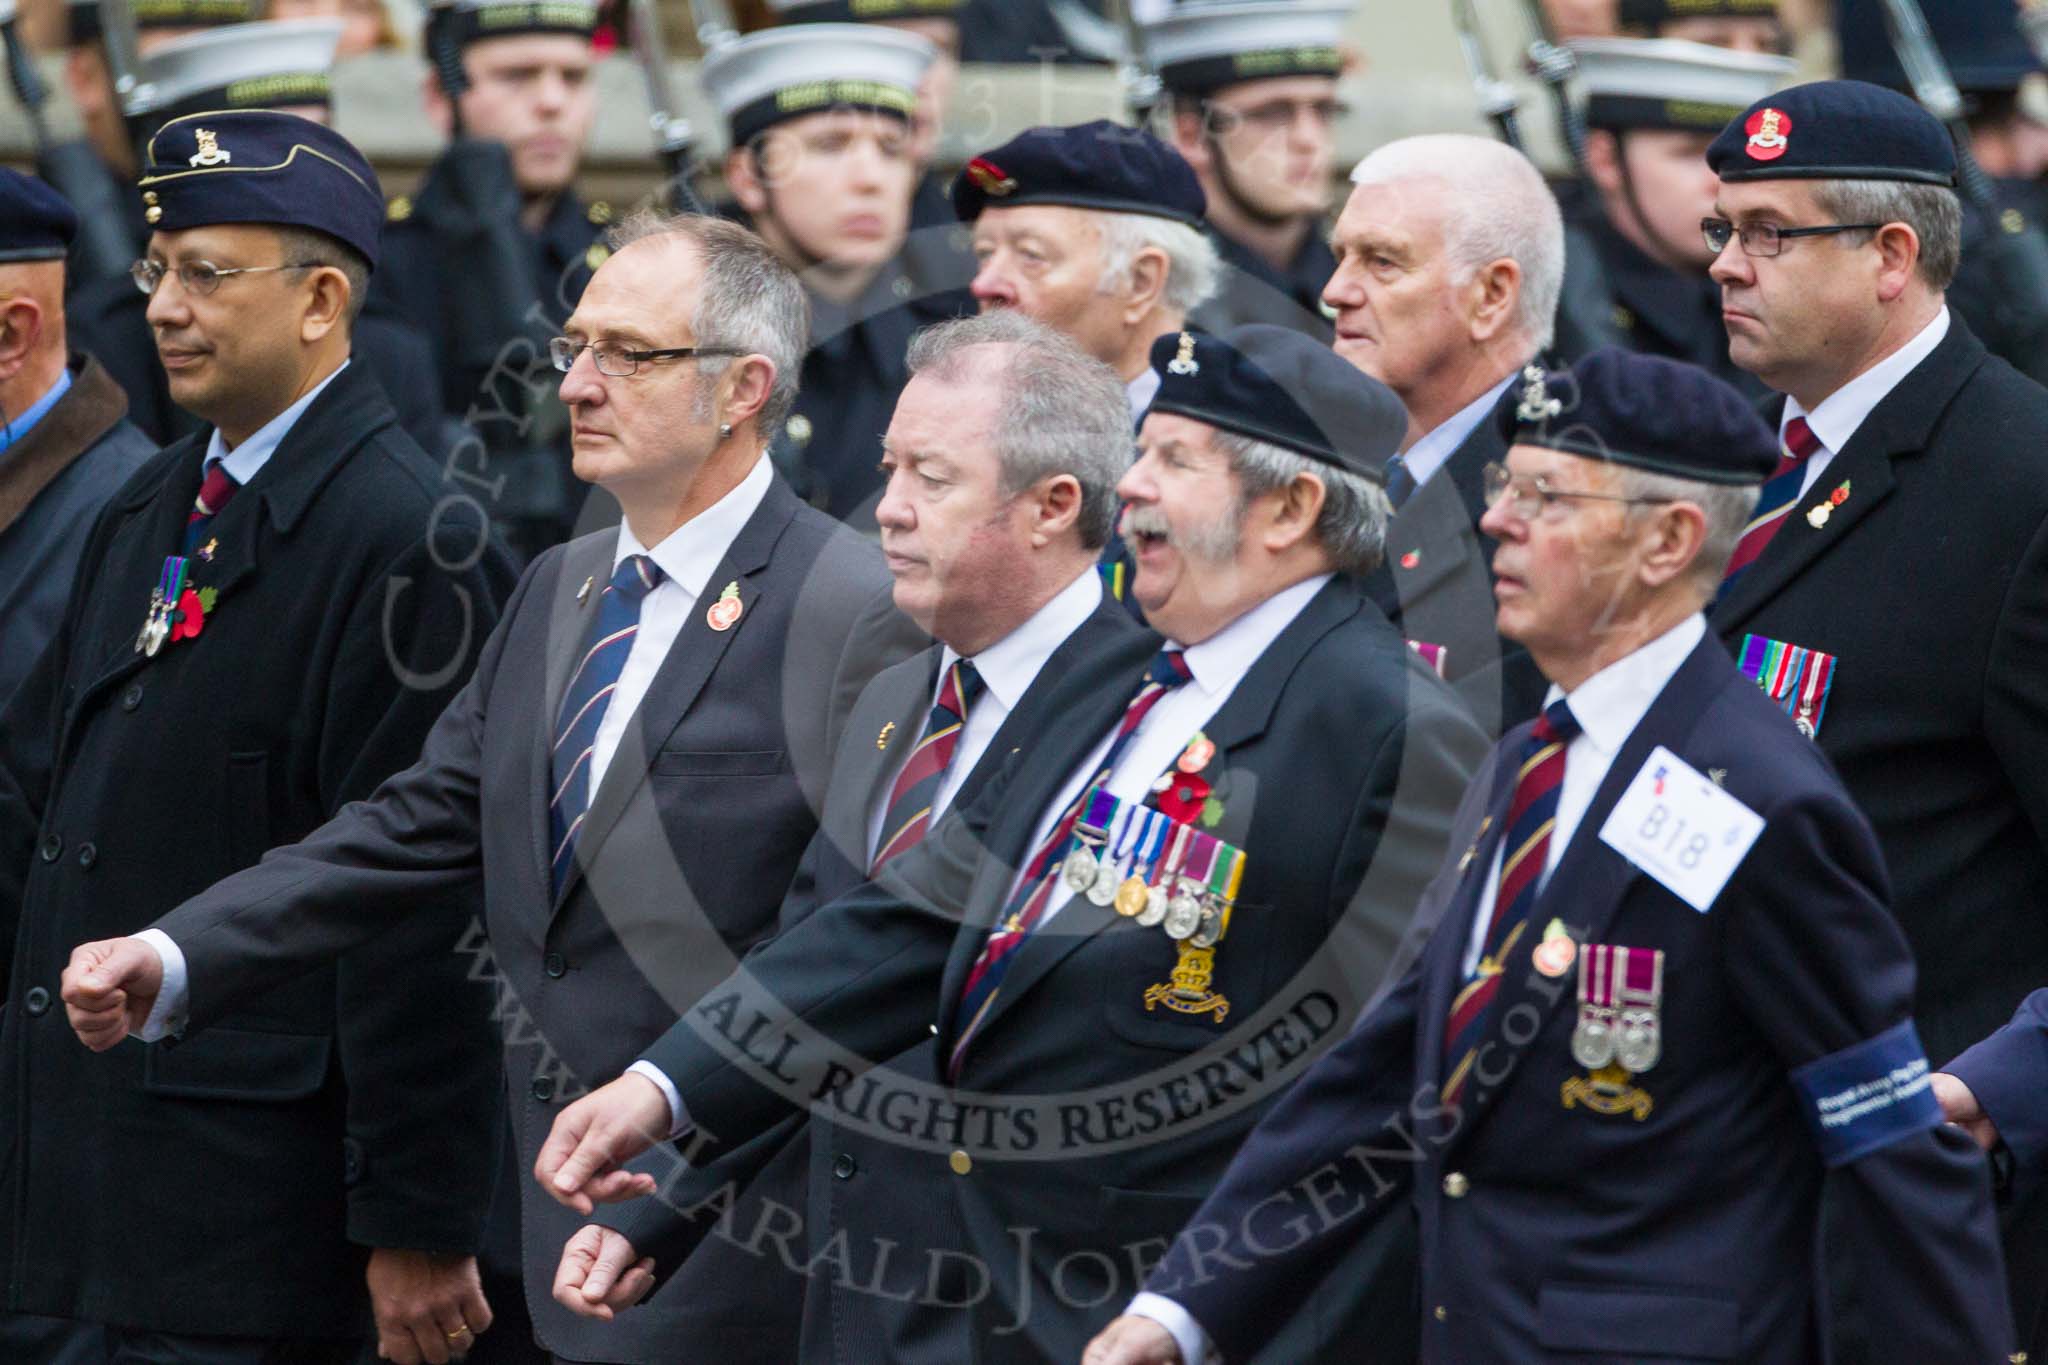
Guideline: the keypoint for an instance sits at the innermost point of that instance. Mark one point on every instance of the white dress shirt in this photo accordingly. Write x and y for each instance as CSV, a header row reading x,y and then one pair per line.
x,y
687,556
1838,415
1141,391
1608,706
1007,668
1435,446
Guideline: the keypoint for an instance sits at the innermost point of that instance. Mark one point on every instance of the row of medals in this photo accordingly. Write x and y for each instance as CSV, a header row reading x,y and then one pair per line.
x,y
1189,913
1606,1034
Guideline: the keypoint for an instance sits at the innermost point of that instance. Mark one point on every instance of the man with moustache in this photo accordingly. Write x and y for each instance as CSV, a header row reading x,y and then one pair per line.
x,y
266,620
1450,257
1280,726
628,777
1908,449
822,166
1255,106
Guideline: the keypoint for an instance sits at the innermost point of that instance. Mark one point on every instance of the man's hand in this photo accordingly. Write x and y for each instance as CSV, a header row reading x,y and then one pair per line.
x,y
109,988
579,1163
600,1274
1132,1340
429,1307
1960,1107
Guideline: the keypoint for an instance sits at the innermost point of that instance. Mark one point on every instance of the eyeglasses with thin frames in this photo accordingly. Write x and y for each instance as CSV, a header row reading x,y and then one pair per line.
x,y
200,277
620,362
1768,239
1530,495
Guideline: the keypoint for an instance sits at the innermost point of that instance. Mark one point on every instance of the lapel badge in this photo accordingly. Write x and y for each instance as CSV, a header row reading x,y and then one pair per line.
x,y
882,740
1478,834
1185,363
1718,776
1556,953
1201,749
1411,559
1818,517
725,612
210,152
206,550
583,593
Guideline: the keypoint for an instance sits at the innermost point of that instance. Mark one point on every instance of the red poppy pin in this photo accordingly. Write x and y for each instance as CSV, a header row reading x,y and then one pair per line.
x,y
1767,129
191,614
1184,797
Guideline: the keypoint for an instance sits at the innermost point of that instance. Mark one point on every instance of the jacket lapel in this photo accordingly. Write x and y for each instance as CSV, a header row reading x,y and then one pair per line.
x,y
571,610
1436,532
885,726
153,520
89,409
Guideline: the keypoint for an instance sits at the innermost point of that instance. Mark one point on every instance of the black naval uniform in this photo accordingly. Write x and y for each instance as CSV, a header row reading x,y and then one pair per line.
x,y
1253,291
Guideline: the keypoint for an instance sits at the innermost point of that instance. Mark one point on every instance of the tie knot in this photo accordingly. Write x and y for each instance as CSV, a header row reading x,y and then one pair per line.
x,y
215,488
1557,724
636,576
1170,669
1800,442
964,686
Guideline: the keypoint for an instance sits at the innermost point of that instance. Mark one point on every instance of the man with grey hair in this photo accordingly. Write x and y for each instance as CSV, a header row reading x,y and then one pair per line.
x,y
628,776
1907,451
1450,258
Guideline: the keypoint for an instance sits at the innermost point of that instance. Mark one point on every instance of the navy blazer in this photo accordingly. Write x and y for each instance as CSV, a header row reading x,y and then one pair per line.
x,y
1685,1230
2008,1073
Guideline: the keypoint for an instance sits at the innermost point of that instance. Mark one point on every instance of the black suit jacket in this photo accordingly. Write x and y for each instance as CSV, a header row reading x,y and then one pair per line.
x,y
688,848
1084,1126
254,1162
1436,583
1688,1231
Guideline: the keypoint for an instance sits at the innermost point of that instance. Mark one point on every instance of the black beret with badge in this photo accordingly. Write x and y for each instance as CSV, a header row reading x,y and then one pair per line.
x,y
472,21
36,222
779,74
1835,130
274,64
1276,385
1199,49
260,166
862,11
1099,165
1646,412
1671,85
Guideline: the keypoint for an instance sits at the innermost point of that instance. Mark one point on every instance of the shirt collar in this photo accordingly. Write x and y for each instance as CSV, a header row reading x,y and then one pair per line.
x,y
689,553
247,459
1220,662
1610,704
1428,454
13,430
1836,418
1141,391
1011,664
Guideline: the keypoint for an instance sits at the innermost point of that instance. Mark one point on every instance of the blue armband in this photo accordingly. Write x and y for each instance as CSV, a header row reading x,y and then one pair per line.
x,y
1868,1096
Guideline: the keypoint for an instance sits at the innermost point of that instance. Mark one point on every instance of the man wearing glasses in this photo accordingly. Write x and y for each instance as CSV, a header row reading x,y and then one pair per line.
x,y
629,779
1892,593
266,620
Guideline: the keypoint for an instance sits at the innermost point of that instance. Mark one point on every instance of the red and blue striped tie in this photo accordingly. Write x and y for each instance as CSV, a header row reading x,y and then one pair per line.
x,y
1027,904
216,490
1524,857
586,699
1775,499
917,786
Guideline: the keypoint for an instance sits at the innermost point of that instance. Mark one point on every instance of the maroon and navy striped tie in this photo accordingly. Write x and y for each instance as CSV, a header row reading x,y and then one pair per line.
x,y
917,786
216,490
1776,498
1524,855
586,699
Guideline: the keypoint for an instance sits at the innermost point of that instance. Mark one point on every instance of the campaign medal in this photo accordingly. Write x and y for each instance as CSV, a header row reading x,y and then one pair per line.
x,y
724,614
1639,993
1184,907
1556,953
1433,655
1077,869
1798,679
163,607
1157,895
1222,898
1121,846
1132,894
1593,1035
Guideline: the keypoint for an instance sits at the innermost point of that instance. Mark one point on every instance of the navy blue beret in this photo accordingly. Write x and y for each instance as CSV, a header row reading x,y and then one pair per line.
x,y
1276,385
1099,165
1646,412
1985,50
36,224
260,166
1835,130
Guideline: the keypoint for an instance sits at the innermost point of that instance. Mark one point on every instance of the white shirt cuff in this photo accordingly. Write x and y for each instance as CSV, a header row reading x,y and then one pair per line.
x,y
679,1117
167,1016
1186,1332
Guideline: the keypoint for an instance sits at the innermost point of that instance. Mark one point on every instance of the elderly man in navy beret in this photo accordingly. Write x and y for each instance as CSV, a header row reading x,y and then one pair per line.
x,y
1665,1004
1211,849
267,619
1909,454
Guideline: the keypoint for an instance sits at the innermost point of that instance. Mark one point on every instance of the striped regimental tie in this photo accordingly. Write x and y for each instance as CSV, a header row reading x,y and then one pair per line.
x,y
586,699
216,490
917,786
1027,905
1525,853
1776,499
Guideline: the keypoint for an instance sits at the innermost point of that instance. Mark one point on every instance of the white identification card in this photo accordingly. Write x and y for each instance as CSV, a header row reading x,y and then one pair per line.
x,y
1681,829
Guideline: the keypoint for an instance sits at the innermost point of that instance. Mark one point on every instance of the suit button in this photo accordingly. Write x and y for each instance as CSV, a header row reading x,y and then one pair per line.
x,y
132,698
844,1166
960,1162
87,856
37,1001
553,964
53,847
1456,1186
543,1088
1441,1315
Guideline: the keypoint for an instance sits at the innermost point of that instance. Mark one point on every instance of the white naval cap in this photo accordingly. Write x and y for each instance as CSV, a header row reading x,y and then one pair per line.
x,y
1197,48
785,73
275,63
1671,84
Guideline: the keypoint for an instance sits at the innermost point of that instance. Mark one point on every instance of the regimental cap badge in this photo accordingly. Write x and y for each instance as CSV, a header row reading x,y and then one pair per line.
x,y
1185,363
1767,129
1537,403
209,153
990,179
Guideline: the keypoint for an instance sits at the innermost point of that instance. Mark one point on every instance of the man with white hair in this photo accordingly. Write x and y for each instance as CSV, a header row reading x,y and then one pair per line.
x,y
1450,258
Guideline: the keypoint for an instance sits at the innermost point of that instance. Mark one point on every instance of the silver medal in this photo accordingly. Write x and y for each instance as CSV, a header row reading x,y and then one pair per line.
x,y
1103,887
1154,913
1636,1045
1079,869
1593,1038
1210,930
1183,917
